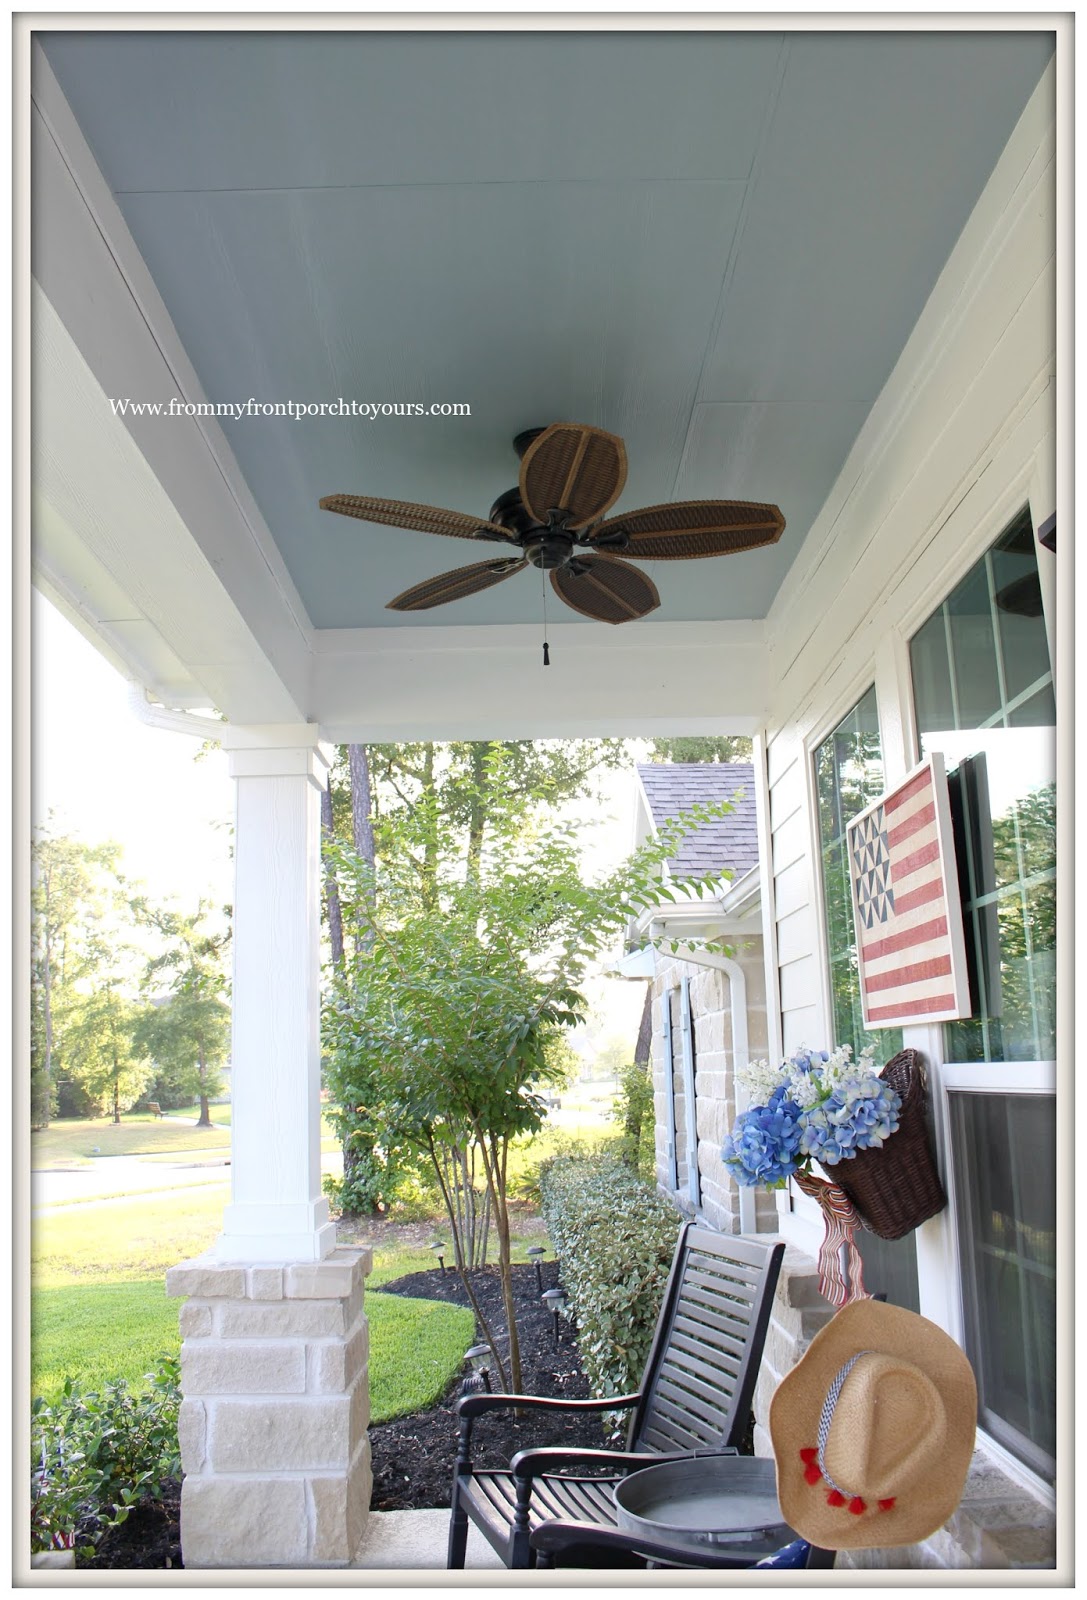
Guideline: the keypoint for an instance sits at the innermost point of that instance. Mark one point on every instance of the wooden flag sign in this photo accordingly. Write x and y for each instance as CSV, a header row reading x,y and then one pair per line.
x,y
910,949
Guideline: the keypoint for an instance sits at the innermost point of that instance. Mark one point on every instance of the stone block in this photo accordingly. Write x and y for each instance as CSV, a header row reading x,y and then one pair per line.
x,y
243,1366
333,1366
264,1283
340,1505
205,1279
192,1433
281,1435
334,1278
284,1319
244,1522
194,1320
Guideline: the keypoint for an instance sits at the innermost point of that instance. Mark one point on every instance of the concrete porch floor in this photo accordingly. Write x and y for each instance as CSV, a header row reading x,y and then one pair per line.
x,y
417,1539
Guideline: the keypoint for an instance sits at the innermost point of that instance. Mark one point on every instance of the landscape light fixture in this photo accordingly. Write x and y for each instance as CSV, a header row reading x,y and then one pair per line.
x,y
438,1248
536,1251
479,1379
555,1301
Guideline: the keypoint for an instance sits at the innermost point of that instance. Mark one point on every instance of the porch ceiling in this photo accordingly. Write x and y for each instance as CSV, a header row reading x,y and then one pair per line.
x,y
713,244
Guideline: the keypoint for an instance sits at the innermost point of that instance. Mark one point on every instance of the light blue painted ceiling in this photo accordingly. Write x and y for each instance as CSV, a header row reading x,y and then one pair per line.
x,y
714,244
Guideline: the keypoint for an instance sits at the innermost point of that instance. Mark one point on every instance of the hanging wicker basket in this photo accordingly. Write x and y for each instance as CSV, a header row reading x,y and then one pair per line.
x,y
895,1187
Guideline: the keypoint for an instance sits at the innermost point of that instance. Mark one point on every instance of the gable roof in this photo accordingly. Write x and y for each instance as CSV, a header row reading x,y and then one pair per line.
x,y
731,841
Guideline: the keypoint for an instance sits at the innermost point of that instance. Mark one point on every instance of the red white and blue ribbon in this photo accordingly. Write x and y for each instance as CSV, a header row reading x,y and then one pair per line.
x,y
840,1268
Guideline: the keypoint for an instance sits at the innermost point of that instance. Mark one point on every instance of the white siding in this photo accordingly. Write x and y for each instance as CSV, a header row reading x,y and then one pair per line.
x,y
961,435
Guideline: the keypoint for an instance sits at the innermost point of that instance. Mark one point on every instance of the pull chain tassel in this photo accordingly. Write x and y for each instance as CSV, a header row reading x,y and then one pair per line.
x,y
547,655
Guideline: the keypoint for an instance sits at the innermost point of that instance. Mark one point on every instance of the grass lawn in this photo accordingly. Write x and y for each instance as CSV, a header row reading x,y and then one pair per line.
x,y
96,1332
77,1142
116,1241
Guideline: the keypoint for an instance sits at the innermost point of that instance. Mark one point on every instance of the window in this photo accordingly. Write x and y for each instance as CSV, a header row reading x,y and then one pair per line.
x,y
1002,1151
682,1153
983,695
849,776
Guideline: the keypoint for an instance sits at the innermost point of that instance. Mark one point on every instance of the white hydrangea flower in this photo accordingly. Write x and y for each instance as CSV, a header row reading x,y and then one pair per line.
x,y
760,1079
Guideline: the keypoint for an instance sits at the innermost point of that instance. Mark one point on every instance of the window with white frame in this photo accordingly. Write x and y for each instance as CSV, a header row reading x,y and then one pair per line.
x,y
849,775
983,696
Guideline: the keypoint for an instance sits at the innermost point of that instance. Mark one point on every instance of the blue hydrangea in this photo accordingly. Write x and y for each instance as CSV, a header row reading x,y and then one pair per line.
x,y
765,1142
824,1108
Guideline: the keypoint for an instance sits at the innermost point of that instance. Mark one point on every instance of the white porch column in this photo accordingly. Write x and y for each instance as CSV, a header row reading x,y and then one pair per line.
x,y
277,1210
274,1352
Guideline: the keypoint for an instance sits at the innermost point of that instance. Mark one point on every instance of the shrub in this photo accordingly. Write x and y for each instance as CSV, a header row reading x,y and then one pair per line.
x,y
634,1114
615,1236
94,1455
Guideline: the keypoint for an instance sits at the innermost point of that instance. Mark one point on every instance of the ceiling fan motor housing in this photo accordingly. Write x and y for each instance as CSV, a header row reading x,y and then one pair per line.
x,y
549,550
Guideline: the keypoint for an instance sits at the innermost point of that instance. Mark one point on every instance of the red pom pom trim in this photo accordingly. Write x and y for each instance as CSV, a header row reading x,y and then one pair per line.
x,y
809,1454
856,1505
834,1498
812,1473
885,1505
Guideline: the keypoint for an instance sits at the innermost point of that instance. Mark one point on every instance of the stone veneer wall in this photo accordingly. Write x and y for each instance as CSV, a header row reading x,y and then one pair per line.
x,y
998,1525
274,1447
715,1094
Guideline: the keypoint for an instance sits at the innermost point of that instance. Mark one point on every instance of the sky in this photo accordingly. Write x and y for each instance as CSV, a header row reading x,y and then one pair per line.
x,y
104,775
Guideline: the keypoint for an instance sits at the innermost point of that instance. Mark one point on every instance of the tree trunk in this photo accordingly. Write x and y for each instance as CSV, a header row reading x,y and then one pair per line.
x,y
204,1119
332,888
362,838
643,1047
117,1099
477,815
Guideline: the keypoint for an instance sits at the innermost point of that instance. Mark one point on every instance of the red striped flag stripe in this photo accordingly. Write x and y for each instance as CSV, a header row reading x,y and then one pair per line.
x,y
936,967
918,897
902,941
902,866
914,1008
907,792
914,824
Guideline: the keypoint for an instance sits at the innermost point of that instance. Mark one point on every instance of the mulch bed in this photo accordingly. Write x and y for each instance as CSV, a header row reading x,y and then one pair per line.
x,y
413,1456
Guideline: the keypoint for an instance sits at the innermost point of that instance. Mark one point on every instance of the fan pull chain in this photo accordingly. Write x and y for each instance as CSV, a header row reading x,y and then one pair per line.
x,y
543,597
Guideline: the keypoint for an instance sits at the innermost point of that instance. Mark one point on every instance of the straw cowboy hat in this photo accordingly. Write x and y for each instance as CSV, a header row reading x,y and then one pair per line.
x,y
873,1430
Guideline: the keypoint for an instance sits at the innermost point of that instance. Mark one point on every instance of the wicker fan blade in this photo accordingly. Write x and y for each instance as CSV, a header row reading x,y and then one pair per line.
x,y
406,514
456,585
693,528
574,469
605,589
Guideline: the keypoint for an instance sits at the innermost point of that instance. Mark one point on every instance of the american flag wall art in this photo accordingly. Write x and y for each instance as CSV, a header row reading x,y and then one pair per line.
x,y
910,950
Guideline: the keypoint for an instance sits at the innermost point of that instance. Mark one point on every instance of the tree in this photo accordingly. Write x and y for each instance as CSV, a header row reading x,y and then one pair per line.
x,y
75,911
694,747
102,1049
187,1035
449,1010
372,798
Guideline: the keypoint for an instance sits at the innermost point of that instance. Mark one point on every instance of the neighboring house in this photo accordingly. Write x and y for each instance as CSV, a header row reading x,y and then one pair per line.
x,y
708,993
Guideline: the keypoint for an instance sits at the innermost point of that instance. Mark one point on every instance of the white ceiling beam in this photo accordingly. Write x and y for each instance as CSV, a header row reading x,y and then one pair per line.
x,y
634,681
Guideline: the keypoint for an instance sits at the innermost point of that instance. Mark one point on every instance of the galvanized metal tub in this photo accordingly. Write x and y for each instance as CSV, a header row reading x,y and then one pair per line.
x,y
717,1500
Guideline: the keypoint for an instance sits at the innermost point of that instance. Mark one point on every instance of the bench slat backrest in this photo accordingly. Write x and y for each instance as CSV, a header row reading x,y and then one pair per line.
x,y
699,1380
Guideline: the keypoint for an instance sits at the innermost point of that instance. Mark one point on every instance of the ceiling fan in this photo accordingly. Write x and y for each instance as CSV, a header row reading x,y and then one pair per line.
x,y
570,476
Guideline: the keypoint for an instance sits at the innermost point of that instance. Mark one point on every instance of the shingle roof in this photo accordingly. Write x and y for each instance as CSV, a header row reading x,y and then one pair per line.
x,y
732,841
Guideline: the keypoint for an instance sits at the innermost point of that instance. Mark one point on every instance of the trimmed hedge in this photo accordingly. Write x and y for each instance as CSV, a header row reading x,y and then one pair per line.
x,y
615,1236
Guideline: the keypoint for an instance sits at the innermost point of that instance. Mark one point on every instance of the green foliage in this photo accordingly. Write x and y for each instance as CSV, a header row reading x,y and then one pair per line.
x,y
418,1348
634,1112
103,1050
94,1454
187,1035
76,898
695,747
615,1236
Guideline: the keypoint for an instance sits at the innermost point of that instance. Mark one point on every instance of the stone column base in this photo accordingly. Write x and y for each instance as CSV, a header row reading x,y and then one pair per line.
x,y
275,1406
